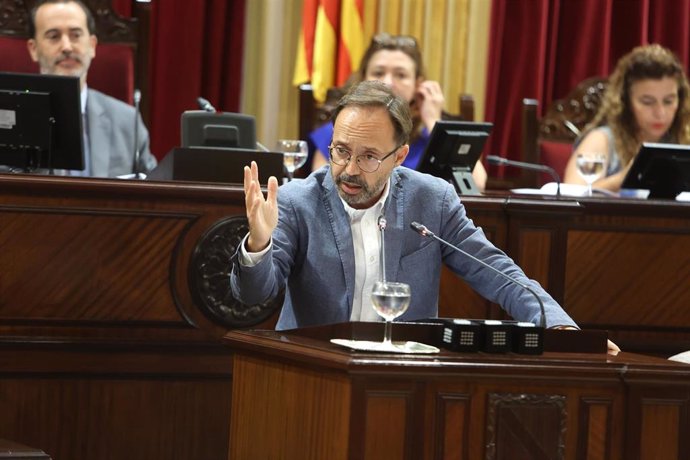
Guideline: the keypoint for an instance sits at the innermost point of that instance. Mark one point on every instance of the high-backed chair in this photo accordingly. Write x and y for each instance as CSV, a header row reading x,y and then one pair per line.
x,y
549,140
121,57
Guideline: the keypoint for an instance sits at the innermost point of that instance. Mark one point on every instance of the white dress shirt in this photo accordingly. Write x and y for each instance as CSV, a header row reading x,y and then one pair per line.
x,y
367,245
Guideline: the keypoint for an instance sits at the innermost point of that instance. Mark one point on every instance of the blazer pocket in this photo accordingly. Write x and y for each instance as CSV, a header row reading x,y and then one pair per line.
x,y
429,253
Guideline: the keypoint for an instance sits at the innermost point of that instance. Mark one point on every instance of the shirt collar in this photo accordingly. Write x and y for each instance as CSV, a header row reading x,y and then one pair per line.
x,y
83,99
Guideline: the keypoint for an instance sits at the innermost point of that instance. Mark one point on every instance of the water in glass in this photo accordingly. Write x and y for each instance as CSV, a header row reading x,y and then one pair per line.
x,y
295,154
590,166
390,300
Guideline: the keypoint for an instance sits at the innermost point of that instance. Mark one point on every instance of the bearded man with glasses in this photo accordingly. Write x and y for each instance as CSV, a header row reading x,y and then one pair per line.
x,y
319,239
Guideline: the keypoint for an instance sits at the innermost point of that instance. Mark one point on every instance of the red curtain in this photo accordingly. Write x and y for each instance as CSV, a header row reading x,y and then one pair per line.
x,y
196,50
541,49
122,7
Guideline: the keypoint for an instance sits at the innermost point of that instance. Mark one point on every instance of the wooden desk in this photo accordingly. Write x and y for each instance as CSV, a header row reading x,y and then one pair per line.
x,y
110,330
615,264
113,302
297,396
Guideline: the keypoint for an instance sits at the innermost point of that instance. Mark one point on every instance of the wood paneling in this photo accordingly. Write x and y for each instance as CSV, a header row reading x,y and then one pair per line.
x,y
452,405
616,264
283,407
104,353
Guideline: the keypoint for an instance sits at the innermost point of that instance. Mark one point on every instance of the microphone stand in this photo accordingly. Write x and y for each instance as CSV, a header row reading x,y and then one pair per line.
x,y
137,154
422,230
382,253
496,160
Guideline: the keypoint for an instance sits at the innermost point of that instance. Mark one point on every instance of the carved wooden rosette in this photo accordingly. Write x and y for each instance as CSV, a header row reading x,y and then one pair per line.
x,y
209,277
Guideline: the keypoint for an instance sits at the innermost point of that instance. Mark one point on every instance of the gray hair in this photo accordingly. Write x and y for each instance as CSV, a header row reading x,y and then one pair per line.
x,y
378,94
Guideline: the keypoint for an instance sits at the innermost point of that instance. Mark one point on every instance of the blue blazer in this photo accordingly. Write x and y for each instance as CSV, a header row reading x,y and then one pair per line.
x,y
313,253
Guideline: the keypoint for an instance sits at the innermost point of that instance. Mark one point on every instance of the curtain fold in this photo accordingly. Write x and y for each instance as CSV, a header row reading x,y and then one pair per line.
x,y
543,48
196,50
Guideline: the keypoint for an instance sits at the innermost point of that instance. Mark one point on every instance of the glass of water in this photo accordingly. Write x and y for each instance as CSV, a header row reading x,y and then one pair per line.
x,y
590,166
390,301
294,155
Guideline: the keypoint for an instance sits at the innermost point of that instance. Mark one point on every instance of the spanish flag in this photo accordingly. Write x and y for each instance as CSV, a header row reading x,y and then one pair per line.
x,y
331,43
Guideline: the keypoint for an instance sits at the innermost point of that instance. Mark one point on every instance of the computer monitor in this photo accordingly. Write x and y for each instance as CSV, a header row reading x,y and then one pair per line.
x,y
218,130
40,122
663,169
453,150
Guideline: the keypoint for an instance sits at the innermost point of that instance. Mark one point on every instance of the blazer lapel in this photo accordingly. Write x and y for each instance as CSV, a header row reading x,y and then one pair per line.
x,y
99,130
395,218
340,224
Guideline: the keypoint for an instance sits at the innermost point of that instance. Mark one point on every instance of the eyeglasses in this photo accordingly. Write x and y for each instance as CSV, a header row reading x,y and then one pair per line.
x,y
366,162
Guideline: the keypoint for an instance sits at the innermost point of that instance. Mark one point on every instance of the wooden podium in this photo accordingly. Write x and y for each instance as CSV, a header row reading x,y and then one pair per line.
x,y
297,396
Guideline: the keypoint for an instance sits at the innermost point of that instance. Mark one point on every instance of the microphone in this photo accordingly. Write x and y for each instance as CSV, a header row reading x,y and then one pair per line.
x,y
422,230
137,154
382,260
496,160
205,105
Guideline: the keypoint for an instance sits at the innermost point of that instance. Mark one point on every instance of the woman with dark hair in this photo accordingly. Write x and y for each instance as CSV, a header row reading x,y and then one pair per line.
x,y
397,61
646,100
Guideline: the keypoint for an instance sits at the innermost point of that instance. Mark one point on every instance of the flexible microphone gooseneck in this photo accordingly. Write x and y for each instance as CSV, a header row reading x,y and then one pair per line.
x,y
496,160
137,153
382,254
422,230
205,105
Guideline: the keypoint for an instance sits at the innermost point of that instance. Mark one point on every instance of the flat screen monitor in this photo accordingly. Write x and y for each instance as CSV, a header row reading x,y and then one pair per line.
x,y
218,130
663,169
40,122
453,150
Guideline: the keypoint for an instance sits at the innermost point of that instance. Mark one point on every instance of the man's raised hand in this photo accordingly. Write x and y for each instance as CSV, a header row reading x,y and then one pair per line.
x,y
262,214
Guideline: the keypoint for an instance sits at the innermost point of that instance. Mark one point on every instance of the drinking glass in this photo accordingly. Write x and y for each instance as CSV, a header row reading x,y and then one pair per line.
x,y
390,301
294,155
591,166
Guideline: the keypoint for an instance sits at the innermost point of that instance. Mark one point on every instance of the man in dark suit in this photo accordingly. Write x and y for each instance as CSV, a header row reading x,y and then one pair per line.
x,y
64,43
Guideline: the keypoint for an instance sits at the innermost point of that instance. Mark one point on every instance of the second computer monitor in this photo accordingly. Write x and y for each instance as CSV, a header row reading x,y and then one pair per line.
x,y
453,150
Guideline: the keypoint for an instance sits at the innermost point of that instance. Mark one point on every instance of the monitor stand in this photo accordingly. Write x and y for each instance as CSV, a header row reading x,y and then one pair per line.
x,y
463,181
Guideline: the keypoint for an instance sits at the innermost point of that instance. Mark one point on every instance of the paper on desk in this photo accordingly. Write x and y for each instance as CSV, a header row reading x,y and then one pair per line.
x,y
581,190
683,357
566,190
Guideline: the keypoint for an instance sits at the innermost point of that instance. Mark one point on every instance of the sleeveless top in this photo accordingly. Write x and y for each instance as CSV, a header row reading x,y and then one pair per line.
x,y
614,163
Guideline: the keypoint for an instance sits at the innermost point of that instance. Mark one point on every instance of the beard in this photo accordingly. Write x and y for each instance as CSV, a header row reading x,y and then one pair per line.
x,y
367,192
51,67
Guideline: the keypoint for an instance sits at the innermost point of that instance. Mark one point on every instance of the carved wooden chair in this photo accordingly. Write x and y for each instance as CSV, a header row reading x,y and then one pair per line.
x,y
549,140
121,58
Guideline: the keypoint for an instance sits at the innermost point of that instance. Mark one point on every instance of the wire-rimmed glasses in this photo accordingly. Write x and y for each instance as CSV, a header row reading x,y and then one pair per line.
x,y
366,161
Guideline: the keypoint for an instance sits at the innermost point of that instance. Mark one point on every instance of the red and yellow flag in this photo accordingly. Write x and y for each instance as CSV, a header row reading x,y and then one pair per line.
x,y
331,43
